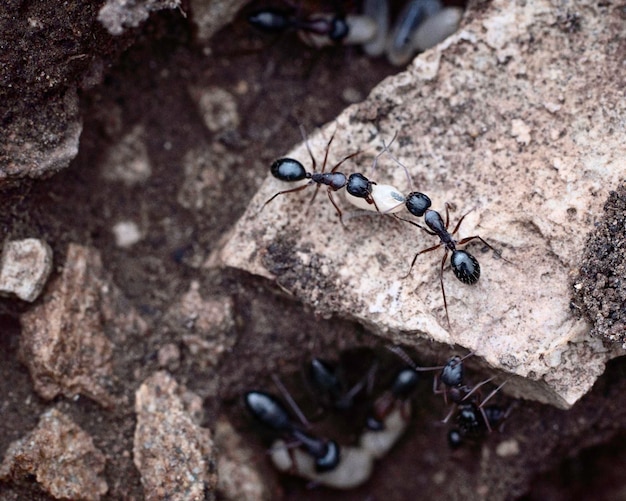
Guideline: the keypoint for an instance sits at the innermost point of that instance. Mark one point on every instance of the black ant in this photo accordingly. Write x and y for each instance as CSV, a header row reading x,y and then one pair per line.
x,y
390,415
475,419
464,265
331,388
270,412
451,375
403,385
272,20
290,170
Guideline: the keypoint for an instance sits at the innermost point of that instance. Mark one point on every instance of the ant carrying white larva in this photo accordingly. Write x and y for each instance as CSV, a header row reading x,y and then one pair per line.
x,y
291,170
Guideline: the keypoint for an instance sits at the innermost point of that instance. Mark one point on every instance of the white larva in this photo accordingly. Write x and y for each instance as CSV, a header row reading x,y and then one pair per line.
x,y
388,199
378,10
354,469
361,29
379,443
437,28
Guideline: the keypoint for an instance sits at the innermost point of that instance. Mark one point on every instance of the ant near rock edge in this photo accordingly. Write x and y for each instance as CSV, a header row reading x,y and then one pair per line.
x,y
464,265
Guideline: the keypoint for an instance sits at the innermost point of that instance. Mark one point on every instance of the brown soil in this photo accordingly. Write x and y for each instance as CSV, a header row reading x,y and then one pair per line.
x,y
285,85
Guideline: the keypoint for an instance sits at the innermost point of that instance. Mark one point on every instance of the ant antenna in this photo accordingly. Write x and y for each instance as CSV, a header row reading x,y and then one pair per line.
x,y
292,403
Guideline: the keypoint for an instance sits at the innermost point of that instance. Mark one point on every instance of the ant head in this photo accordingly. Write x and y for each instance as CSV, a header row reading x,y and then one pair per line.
x,y
465,267
330,459
268,410
288,169
452,373
359,186
417,203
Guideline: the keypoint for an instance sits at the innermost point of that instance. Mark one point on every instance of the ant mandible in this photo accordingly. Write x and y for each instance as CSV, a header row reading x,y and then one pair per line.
x,y
464,265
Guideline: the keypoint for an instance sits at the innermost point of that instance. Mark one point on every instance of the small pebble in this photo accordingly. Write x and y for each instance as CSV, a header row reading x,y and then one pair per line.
x,y
25,266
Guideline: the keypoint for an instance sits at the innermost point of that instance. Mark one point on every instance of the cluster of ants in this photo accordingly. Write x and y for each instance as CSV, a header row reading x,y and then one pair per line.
x,y
298,451
385,199
419,25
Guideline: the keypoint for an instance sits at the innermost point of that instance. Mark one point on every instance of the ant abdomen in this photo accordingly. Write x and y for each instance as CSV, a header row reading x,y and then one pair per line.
x,y
288,169
270,20
268,410
465,267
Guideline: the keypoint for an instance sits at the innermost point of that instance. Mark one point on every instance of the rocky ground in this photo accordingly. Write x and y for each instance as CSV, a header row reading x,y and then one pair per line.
x,y
123,379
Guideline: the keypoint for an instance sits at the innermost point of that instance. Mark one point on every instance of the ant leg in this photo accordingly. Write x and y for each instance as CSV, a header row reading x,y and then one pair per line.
x,y
423,252
449,415
443,289
293,190
476,388
458,224
334,169
292,403
493,393
437,391
327,149
332,201
317,189
418,225
478,237
482,404
367,382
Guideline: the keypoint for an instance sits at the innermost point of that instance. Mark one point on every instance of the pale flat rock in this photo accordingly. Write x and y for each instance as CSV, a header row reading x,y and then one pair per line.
x,y
127,160
209,16
60,456
67,340
33,145
516,117
205,325
173,454
119,15
25,266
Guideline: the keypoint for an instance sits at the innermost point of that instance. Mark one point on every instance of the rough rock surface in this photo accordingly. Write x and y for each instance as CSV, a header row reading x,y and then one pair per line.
x,y
62,458
49,50
206,325
117,15
25,266
238,477
490,120
210,15
173,454
64,340
601,285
